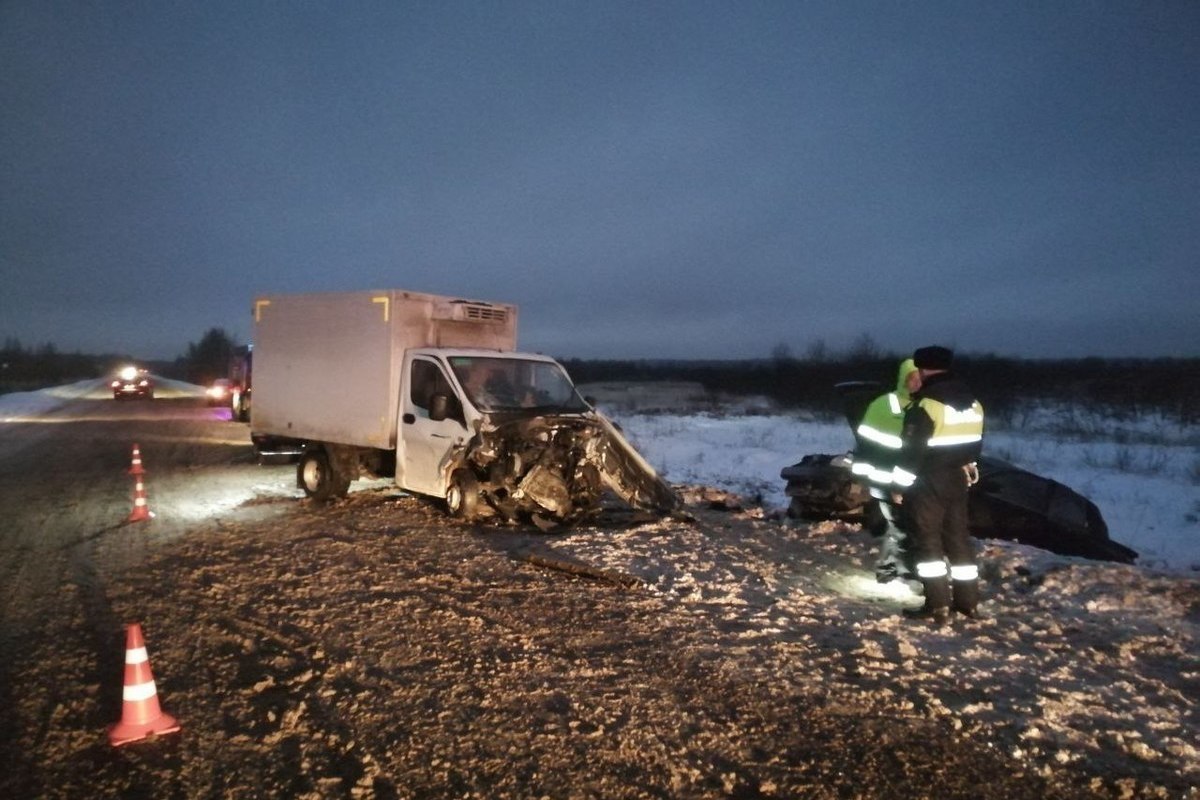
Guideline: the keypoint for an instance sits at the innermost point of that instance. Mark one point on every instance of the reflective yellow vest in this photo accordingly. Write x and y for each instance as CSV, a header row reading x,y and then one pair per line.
x,y
956,440
953,427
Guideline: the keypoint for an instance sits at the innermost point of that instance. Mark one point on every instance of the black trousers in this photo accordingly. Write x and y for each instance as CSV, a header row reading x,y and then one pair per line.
x,y
936,516
936,512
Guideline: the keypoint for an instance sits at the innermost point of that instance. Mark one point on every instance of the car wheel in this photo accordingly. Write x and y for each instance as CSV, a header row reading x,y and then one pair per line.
x,y
462,495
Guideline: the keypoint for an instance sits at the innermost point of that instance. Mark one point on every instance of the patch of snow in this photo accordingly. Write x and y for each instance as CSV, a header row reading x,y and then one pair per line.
x,y
16,406
1146,491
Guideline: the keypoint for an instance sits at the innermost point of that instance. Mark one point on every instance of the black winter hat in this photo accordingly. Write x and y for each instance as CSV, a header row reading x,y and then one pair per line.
x,y
933,357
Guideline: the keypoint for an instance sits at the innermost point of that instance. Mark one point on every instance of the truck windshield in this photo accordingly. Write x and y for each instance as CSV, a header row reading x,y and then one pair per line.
x,y
509,384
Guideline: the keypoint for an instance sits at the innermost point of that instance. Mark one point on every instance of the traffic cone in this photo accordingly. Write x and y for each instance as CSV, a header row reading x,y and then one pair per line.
x,y
141,715
141,510
136,468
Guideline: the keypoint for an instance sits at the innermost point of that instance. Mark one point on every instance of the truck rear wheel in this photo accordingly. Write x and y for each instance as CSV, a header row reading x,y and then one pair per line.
x,y
317,477
462,495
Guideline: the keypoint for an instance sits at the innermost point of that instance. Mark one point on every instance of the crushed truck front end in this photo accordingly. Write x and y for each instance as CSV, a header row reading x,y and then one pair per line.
x,y
554,469
529,447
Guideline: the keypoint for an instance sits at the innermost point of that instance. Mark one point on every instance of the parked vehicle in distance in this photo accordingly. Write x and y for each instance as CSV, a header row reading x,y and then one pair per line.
x,y
132,382
219,394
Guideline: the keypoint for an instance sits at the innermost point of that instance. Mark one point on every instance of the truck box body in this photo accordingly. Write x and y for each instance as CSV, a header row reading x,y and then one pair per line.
x,y
328,365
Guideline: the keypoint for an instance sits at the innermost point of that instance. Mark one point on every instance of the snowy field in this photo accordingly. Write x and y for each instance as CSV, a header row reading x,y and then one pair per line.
x,y
1144,478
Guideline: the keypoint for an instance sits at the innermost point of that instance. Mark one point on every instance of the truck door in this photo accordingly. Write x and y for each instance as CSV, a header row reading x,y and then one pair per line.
x,y
423,442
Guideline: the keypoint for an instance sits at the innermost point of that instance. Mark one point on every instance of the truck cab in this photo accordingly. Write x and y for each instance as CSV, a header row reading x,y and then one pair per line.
x,y
452,395
507,434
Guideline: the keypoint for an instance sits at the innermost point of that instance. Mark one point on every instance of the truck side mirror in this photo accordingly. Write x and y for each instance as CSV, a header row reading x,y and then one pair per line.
x,y
439,407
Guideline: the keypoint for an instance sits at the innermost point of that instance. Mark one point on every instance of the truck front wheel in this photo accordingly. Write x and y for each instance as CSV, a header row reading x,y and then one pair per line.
x,y
462,495
316,476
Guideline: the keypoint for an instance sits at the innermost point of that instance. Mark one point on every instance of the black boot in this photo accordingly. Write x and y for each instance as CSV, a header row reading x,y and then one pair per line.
x,y
937,601
966,598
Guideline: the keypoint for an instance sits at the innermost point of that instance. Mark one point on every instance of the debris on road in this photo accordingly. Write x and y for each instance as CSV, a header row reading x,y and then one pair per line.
x,y
573,566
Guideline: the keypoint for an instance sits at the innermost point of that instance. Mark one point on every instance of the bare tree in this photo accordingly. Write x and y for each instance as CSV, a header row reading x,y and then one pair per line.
x,y
209,358
864,348
782,354
817,351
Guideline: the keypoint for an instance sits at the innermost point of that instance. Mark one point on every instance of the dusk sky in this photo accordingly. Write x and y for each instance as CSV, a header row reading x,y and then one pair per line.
x,y
644,179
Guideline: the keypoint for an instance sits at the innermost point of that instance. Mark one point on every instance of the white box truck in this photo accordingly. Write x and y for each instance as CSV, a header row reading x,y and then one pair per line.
x,y
429,389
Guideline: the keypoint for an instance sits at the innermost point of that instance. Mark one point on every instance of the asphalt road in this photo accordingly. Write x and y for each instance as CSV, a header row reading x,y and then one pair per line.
x,y
65,497
66,492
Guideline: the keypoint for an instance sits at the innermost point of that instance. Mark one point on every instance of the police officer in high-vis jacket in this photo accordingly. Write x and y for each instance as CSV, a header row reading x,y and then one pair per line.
x,y
876,453
941,439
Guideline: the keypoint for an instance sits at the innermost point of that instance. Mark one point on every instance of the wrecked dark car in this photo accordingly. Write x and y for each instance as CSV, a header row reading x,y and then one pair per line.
x,y
821,487
1007,503
1015,504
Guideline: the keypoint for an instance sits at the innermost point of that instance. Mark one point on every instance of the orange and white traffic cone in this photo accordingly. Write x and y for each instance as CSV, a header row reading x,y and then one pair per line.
x,y
141,509
136,468
141,716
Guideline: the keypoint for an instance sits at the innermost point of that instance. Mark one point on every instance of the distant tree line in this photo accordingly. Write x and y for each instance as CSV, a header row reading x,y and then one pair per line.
x,y
28,368
24,369
1120,387
207,359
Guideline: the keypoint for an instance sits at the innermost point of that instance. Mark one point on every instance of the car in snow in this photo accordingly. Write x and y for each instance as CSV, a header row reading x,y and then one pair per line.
x,y
132,382
220,393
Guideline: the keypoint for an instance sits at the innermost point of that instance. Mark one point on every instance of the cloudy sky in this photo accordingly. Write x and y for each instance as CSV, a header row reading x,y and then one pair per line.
x,y
644,179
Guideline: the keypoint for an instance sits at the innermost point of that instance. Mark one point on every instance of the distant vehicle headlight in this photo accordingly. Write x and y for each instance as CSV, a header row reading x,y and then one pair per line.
x,y
128,373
